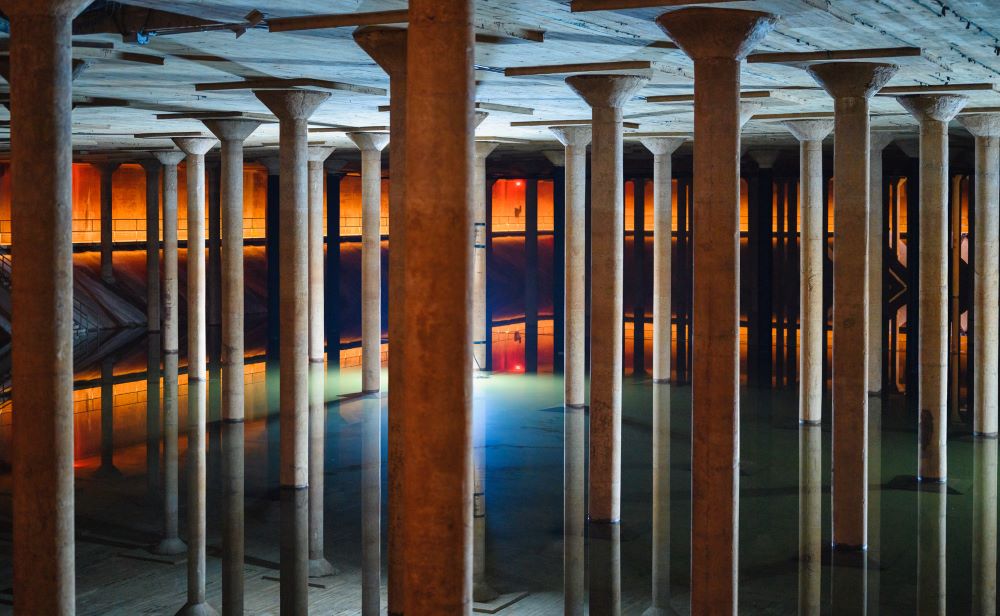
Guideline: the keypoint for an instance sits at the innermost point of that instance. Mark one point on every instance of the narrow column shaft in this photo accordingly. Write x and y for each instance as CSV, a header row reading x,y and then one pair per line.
x,y
987,277
107,467
482,592
371,506
213,273
107,221
932,550
479,328
984,527
810,519
152,169
876,240
42,306
574,510
661,502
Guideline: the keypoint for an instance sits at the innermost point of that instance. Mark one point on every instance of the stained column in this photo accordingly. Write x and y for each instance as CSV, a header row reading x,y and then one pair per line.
x,y
152,169
107,170
876,240
42,302
662,149
934,112
715,383
437,524
293,109
195,149
232,134
810,519
986,277
575,140
812,248
479,328
660,605
851,84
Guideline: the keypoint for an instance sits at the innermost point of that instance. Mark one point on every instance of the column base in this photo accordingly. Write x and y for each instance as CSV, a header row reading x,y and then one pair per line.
x,y
932,480
661,382
846,548
169,546
197,609
810,422
321,567
483,592
575,406
984,435
108,472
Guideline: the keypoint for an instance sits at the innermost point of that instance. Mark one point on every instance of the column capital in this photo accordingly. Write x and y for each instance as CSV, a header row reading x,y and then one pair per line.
x,y
608,91
852,79
368,142
765,159
319,153
662,146
272,163
572,136
485,148
107,167
981,124
195,146
385,45
748,109
704,33
935,107
481,117
809,130
150,164
231,129
556,157
169,157
296,105
880,140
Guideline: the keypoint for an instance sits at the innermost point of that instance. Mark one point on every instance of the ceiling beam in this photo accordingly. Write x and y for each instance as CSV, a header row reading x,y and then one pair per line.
x,y
687,98
169,135
565,123
337,20
930,89
277,83
578,6
217,115
505,108
583,67
350,129
782,57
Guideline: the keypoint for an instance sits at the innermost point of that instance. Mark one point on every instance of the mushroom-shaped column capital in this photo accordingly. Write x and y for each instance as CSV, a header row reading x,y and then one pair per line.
x,y
934,107
485,148
981,124
748,109
607,91
195,146
716,33
765,159
272,163
369,142
319,153
231,129
556,157
294,105
852,79
662,146
169,157
107,167
572,136
385,45
880,140
481,117
809,130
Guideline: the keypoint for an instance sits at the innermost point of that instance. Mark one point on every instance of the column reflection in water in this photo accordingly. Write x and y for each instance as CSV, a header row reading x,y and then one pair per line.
x,y
984,527
171,543
107,469
661,502
482,592
874,500
371,505
605,570
574,511
810,518
931,542
153,413
319,566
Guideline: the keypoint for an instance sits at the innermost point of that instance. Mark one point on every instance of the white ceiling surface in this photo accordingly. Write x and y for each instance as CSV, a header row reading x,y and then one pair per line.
x,y
952,52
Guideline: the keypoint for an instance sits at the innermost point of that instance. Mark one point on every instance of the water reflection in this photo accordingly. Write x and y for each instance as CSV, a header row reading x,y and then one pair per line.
x,y
107,469
153,414
984,527
661,502
931,555
171,543
371,505
574,512
810,519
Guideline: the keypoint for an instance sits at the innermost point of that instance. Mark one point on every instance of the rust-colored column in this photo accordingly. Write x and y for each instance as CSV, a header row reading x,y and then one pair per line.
x,y
662,149
42,304
986,277
934,112
437,476
152,168
107,170
479,329
851,84
812,248
293,109
876,240
387,46
195,149
232,134
715,383
575,140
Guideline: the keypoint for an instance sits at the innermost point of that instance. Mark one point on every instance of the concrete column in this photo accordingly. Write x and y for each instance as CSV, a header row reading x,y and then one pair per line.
x,y
171,543
232,134
810,519
387,47
107,469
479,329
195,149
851,84
107,170
931,549
812,248
42,300
661,500
437,524
934,112
984,527
213,275
876,216
662,149
152,169
986,277
153,420
293,109
319,566
272,247
575,140
716,375
574,509
371,506
482,592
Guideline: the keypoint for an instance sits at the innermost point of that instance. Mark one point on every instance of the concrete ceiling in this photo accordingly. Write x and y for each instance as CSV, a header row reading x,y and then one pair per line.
x,y
959,39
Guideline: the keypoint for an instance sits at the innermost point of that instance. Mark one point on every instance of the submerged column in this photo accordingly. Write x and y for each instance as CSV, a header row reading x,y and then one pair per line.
x,y
436,309
934,112
986,277
479,329
851,84
662,149
293,109
810,519
152,169
661,501
171,543
575,140
984,526
812,248
107,170
715,383
42,304
232,134
876,239
195,149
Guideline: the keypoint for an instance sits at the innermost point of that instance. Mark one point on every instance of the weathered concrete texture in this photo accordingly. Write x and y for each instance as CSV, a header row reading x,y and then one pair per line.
x,y
984,526
660,605
574,510
876,239
152,169
810,519
748,109
715,382
606,94
195,149
575,140
812,248
663,238
293,108
387,46
480,186
437,476
934,112
107,170
986,282
851,84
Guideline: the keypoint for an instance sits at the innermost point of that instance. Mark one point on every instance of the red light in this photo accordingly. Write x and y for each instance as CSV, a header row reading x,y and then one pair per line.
x,y
517,367
517,183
